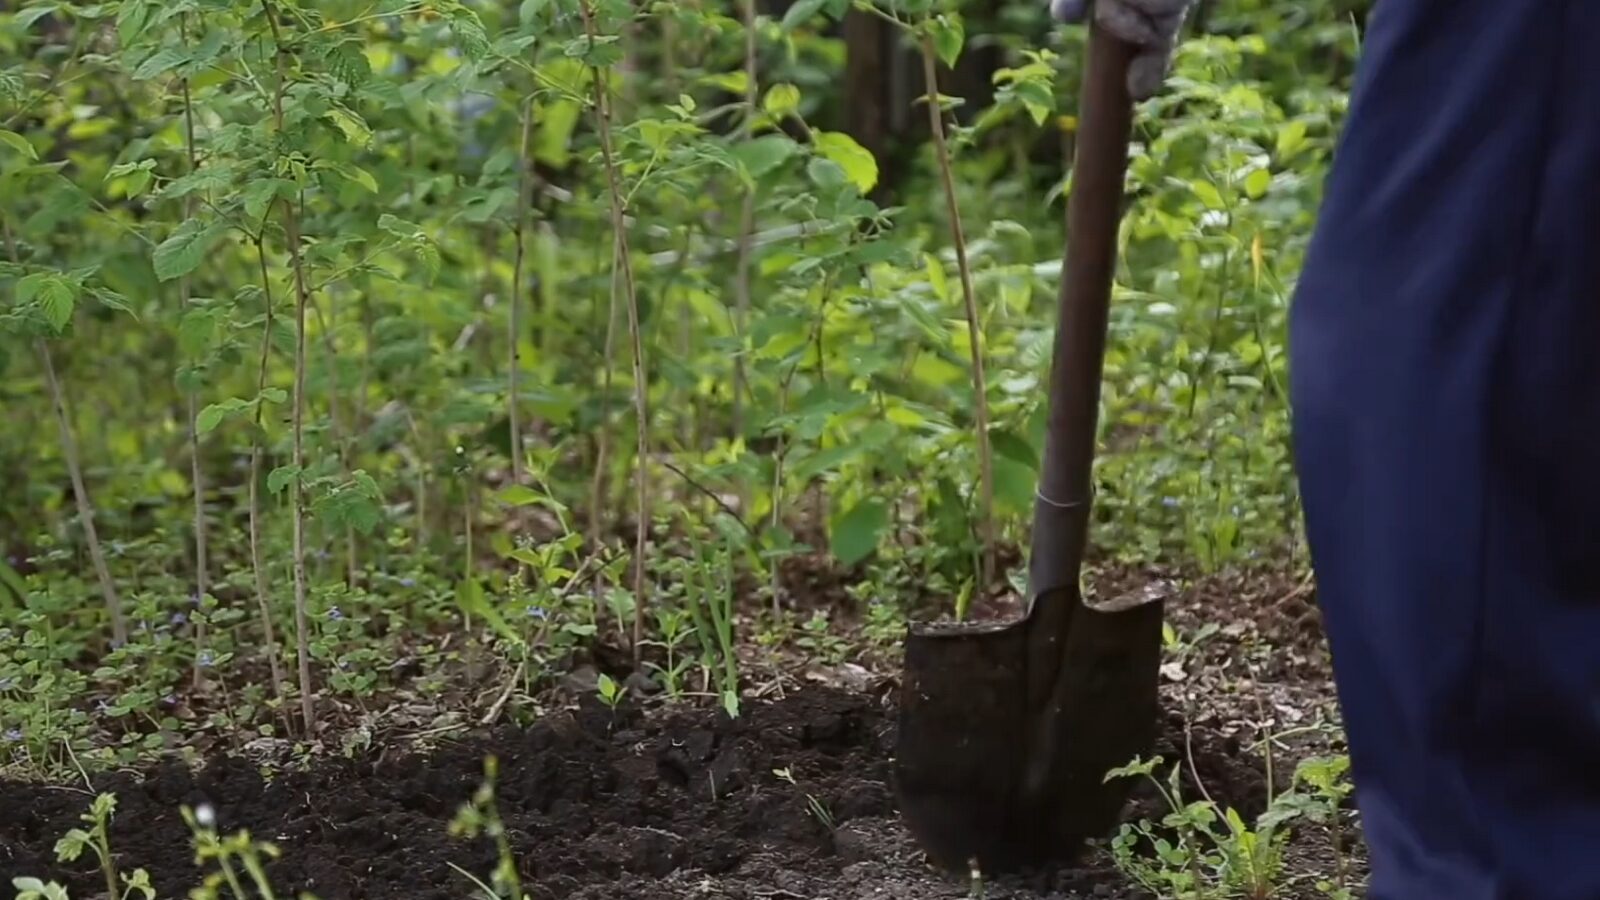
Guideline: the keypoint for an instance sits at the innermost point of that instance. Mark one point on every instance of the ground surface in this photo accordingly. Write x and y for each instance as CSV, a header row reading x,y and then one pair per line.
x,y
681,803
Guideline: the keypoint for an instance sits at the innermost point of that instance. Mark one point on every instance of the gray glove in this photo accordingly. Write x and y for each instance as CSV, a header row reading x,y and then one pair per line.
x,y
1152,25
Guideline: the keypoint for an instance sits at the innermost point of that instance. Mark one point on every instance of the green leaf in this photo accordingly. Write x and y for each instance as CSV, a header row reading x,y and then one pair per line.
x,y
764,154
355,128
519,495
196,332
113,300
1291,137
275,395
1208,194
801,13
188,246
34,13
858,163
936,276
781,100
398,227
56,296
212,416
855,534
259,194
18,143
160,63
1013,446
354,174
529,11
949,34
1257,182
280,478
349,64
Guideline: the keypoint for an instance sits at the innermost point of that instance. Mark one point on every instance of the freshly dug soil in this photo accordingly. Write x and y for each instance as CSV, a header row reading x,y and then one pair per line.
x,y
673,804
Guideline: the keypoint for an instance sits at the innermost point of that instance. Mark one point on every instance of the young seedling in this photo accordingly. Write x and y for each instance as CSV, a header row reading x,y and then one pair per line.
x,y
481,816
817,808
232,853
95,838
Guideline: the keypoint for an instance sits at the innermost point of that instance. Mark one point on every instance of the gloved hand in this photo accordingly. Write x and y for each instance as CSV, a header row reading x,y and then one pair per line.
x,y
1152,25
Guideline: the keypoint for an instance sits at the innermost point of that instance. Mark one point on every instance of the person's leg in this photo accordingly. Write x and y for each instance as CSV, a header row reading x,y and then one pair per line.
x,y
1445,370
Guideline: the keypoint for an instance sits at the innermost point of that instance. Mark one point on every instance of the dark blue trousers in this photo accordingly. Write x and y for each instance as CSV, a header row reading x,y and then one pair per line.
x,y
1445,370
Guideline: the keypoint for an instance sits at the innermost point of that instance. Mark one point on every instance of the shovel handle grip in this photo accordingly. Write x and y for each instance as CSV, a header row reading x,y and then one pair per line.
x,y
1094,213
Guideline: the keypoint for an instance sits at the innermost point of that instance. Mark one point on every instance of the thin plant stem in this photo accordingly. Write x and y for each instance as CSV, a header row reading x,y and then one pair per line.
x,y
80,491
259,569
974,325
291,227
514,363
202,576
747,213
641,387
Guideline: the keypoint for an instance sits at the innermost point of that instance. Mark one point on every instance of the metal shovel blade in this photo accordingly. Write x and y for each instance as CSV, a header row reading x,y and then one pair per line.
x,y
1007,731
985,776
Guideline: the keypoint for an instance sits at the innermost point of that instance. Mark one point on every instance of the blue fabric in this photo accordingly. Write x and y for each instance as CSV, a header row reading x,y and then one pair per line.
x,y
1445,371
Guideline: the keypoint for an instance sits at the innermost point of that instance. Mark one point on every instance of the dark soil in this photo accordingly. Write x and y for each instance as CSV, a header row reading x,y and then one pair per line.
x,y
673,804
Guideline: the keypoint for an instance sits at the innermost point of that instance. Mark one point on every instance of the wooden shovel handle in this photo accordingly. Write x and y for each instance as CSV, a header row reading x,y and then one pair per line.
x,y
1094,213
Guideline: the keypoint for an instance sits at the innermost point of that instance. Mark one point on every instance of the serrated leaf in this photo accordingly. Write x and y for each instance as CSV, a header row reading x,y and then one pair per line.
x,y
855,534
949,34
858,163
349,64
183,252
56,298
113,300
18,143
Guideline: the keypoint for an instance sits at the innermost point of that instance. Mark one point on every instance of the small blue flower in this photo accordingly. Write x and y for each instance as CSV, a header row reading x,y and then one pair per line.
x,y
170,700
207,659
8,684
1169,501
178,618
536,612
408,582
334,613
14,736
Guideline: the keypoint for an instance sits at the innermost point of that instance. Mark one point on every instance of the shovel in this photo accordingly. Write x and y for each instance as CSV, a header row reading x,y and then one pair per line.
x,y
1007,730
